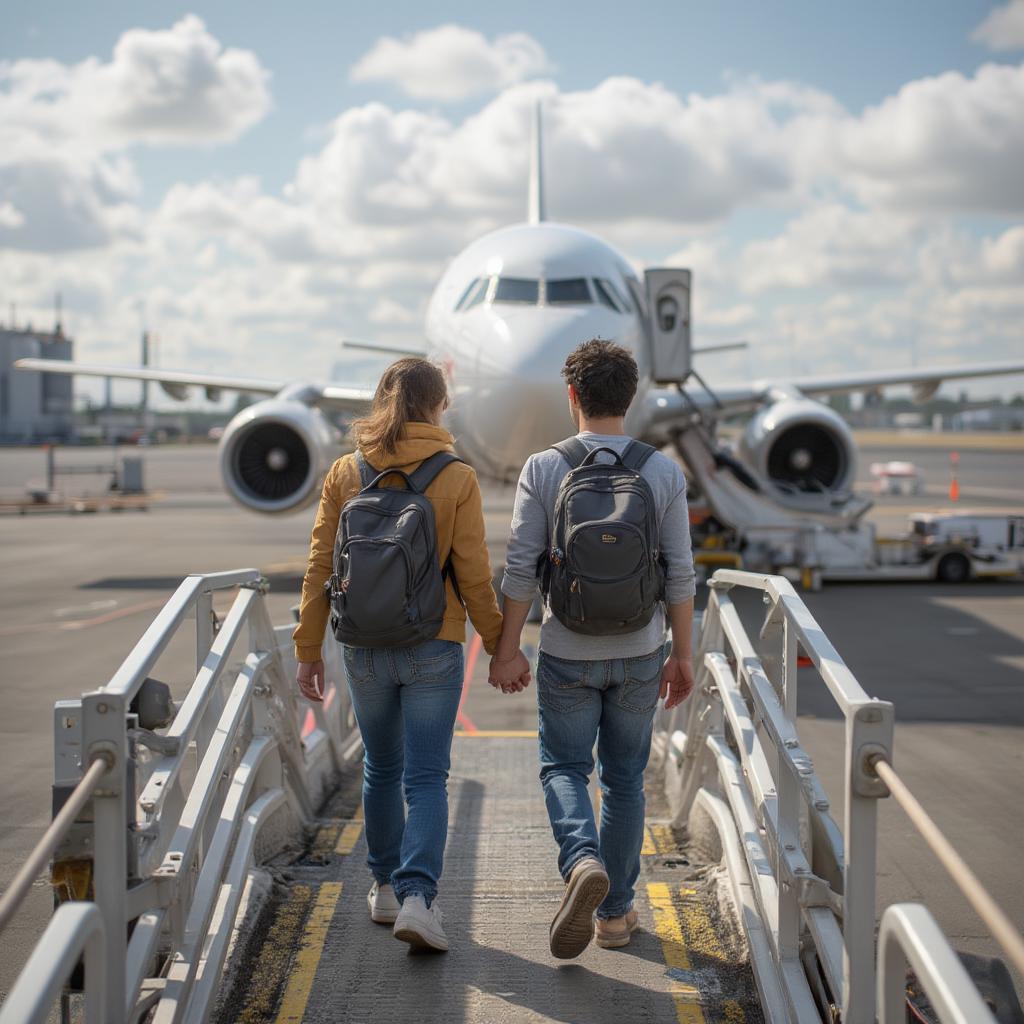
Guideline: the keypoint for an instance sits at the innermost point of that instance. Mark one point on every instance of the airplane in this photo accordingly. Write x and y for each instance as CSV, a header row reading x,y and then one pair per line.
x,y
505,313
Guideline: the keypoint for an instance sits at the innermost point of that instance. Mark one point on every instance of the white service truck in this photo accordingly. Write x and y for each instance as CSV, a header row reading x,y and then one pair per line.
x,y
947,546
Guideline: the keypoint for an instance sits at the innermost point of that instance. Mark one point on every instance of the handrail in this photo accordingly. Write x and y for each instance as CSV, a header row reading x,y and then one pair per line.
x,y
170,848
733,748
1002,929
908,934
75,928
57,830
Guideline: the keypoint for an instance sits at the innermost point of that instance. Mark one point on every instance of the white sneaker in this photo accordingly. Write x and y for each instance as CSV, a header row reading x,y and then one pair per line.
x,y
420,926
383,904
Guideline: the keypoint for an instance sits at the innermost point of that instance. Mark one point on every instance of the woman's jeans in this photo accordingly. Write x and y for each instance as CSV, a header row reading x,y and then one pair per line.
x,y
405,700
610,703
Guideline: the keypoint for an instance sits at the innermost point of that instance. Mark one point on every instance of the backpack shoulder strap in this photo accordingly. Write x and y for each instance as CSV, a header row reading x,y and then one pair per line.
x,y
367,474
427,471
636,455
573,450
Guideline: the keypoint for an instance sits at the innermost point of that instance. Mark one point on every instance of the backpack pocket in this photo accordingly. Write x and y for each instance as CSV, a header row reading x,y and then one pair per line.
x,y
376,585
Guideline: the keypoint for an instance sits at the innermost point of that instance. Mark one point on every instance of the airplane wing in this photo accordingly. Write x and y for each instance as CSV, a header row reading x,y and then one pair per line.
x,y
176,383
668,405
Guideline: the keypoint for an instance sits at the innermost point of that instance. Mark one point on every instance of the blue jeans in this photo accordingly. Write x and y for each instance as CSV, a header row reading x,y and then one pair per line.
x,y
611,702
405,700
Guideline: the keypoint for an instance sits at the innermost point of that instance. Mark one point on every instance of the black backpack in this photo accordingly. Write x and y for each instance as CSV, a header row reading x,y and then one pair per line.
x,y
388,588
603,574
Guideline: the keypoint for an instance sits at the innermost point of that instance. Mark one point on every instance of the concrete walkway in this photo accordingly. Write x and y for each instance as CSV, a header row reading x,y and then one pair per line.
x,y
320,958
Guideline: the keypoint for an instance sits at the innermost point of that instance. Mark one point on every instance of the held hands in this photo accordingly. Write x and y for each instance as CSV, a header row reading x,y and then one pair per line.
x,y
310,677
510,675
676,679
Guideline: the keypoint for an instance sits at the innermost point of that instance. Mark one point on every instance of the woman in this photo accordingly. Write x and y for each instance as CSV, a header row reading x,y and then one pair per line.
x,y
405,698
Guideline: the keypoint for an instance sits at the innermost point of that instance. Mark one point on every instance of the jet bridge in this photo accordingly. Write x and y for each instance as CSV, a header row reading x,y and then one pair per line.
x,y
207,854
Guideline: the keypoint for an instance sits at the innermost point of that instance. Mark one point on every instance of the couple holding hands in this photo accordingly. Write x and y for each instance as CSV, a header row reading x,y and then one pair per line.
x,y
600,526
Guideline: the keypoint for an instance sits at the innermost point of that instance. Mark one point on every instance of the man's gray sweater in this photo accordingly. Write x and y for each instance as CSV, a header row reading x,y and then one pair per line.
x,y
531,531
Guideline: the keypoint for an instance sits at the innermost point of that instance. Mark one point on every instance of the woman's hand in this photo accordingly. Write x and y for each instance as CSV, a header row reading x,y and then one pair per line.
x,y
310,677
510,675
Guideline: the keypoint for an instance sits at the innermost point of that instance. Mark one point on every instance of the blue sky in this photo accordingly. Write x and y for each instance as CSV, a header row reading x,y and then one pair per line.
x,y
842,177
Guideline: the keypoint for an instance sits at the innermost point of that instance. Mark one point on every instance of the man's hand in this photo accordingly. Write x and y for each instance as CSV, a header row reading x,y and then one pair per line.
x,y
676,679
310,677
510,675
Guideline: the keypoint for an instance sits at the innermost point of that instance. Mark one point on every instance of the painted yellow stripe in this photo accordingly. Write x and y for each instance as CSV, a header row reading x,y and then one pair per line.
x,y
488,734
673,950
700,933
658,838
350,834
271,967
664,841
300,983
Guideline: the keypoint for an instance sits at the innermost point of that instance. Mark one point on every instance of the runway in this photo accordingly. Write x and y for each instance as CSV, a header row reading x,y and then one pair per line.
x,y
79,591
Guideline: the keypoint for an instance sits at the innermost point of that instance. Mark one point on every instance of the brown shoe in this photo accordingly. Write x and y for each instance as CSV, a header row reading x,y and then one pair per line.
x,y
573,926
616,931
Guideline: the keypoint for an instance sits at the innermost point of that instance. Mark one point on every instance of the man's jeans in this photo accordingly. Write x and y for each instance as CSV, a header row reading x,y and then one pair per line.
x,y
406,700
613,703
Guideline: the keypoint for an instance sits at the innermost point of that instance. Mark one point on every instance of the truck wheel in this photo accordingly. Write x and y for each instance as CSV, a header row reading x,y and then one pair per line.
x,y
953,569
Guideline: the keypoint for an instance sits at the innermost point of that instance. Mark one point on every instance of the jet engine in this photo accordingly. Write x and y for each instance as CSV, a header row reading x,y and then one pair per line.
x,y
275,454
801,446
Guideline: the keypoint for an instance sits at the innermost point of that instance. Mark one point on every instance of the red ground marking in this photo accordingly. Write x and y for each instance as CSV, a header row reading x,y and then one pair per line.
x,y
475,646
309,724
803,661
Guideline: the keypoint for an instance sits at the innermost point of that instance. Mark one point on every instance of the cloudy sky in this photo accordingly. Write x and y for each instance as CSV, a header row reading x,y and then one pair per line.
x,y
257,181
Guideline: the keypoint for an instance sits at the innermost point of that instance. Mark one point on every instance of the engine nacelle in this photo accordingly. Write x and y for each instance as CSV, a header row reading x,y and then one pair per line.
x,y
801,445
275,454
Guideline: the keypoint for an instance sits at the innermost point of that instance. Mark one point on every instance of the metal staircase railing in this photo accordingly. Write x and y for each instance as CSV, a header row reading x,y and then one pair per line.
x,y
163,827
736,772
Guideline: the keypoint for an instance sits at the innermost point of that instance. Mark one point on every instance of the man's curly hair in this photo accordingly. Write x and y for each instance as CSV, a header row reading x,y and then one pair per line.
x,y
604,375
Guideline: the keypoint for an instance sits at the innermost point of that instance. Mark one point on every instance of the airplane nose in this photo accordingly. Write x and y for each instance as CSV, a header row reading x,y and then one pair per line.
x,y
518,402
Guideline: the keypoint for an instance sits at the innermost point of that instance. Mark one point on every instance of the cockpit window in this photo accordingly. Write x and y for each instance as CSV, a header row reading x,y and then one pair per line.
x,y
606,294
474,294
517,289
568,290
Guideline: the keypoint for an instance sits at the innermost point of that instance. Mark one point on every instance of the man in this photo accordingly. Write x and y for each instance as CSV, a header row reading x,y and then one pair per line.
x,y
591,688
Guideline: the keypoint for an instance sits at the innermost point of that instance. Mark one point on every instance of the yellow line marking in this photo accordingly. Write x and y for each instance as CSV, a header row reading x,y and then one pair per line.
x,y
486,734
701,936
648,848
323,844
271,967
300,984
350,834
673,950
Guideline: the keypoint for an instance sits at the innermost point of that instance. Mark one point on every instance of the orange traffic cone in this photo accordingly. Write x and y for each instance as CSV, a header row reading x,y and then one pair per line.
x,y
954,490
954,484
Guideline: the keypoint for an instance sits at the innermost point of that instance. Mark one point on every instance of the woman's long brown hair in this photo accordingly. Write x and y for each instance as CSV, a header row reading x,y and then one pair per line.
x,y
408,392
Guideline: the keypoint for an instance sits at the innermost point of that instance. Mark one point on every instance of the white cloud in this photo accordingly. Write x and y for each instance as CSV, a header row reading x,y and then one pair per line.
x,y
834,246
240,278
943,143
451,62
63,127
1002,28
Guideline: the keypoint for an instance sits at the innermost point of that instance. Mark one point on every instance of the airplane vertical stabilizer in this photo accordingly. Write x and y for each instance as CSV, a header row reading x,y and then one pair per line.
x,y
536,212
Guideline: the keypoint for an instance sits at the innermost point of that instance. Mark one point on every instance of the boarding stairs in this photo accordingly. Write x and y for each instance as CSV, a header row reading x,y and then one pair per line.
x,y
208,854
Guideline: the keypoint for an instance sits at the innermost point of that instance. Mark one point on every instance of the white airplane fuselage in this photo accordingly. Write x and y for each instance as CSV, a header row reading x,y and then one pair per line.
x,y
504,355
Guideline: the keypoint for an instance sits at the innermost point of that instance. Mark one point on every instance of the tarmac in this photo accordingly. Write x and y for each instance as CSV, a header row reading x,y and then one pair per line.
x,y
80,589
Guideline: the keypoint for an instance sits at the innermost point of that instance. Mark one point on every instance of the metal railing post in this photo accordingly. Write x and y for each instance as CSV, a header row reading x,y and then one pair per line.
x,y
204,626
104,735
869,728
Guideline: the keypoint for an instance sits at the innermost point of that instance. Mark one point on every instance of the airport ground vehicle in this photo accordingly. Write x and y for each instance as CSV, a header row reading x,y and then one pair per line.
x,y
950,547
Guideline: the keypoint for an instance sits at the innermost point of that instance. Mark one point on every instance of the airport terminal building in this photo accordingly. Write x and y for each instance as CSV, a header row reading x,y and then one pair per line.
x,y
34,406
